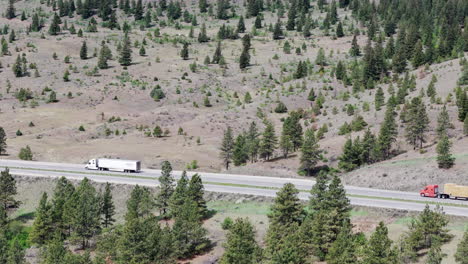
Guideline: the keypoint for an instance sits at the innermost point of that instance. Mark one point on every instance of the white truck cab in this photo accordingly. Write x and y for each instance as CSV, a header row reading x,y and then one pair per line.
x,y
92,165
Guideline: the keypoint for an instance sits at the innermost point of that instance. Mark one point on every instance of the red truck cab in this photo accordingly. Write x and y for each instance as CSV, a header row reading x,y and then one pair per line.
x,y
430,191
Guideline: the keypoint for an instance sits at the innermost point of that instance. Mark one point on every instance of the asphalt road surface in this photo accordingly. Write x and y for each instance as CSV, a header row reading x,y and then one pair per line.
x,y
233,183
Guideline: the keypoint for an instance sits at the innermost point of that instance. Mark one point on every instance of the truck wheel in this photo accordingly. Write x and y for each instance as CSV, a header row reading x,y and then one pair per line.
x,y
422,195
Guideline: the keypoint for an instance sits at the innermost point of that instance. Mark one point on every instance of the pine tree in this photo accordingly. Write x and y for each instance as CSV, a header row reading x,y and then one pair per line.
x,y
43,228
244,59
388,134
179,195
140,204
202,37
66,76
166,186
240,246
3,140
217,54
195,193
7,190
203,5
286,213
84,51
435,255
418,123
17,69
227,147
61,207
311,153
241,25
355,50
379,248
3,247
107,207
268,142
104,55
277,32
138,11
379,99
54,28
418,55
399,61
320,59
142,51
125,58
185,52
339,30
344,248
86,212
445,160
431,91
54,252
10,12
461,255
240,155
189,234
443,122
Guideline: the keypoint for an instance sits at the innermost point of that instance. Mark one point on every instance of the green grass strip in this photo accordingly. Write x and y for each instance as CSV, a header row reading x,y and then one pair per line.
x,y
251,186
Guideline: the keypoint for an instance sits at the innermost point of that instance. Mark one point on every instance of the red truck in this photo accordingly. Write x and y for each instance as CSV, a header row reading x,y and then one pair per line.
x,y
450,191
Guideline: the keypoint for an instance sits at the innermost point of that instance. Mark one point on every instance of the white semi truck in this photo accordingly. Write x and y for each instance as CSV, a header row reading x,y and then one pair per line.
x,y
114,165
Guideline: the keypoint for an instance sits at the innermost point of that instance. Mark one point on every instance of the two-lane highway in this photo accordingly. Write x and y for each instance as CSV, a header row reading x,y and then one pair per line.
x,y
231,183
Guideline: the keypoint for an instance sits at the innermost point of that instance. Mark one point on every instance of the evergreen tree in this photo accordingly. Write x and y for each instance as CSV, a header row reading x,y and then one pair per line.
x,y
418,55
399,61
84,51
355,50
125,58
418,123
435,255
61,211
35,25
311,153
461,255
54,28
185,52
203,5
179,195
320,59
166,186
252,142
244,59
277,32
202,37
443,122
86,212
445,160
104,55
7,190
195,193
268,142
227,147
388,134
3,139
344,249
217,55
17,69
43,228
240,155
339,30
189,234
138,11
379,249
140,204
240,246
107,207
241,25
379,99
10,12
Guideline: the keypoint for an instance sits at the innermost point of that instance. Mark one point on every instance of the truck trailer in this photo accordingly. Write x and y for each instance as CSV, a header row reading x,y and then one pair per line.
x,y
114,165
450,191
